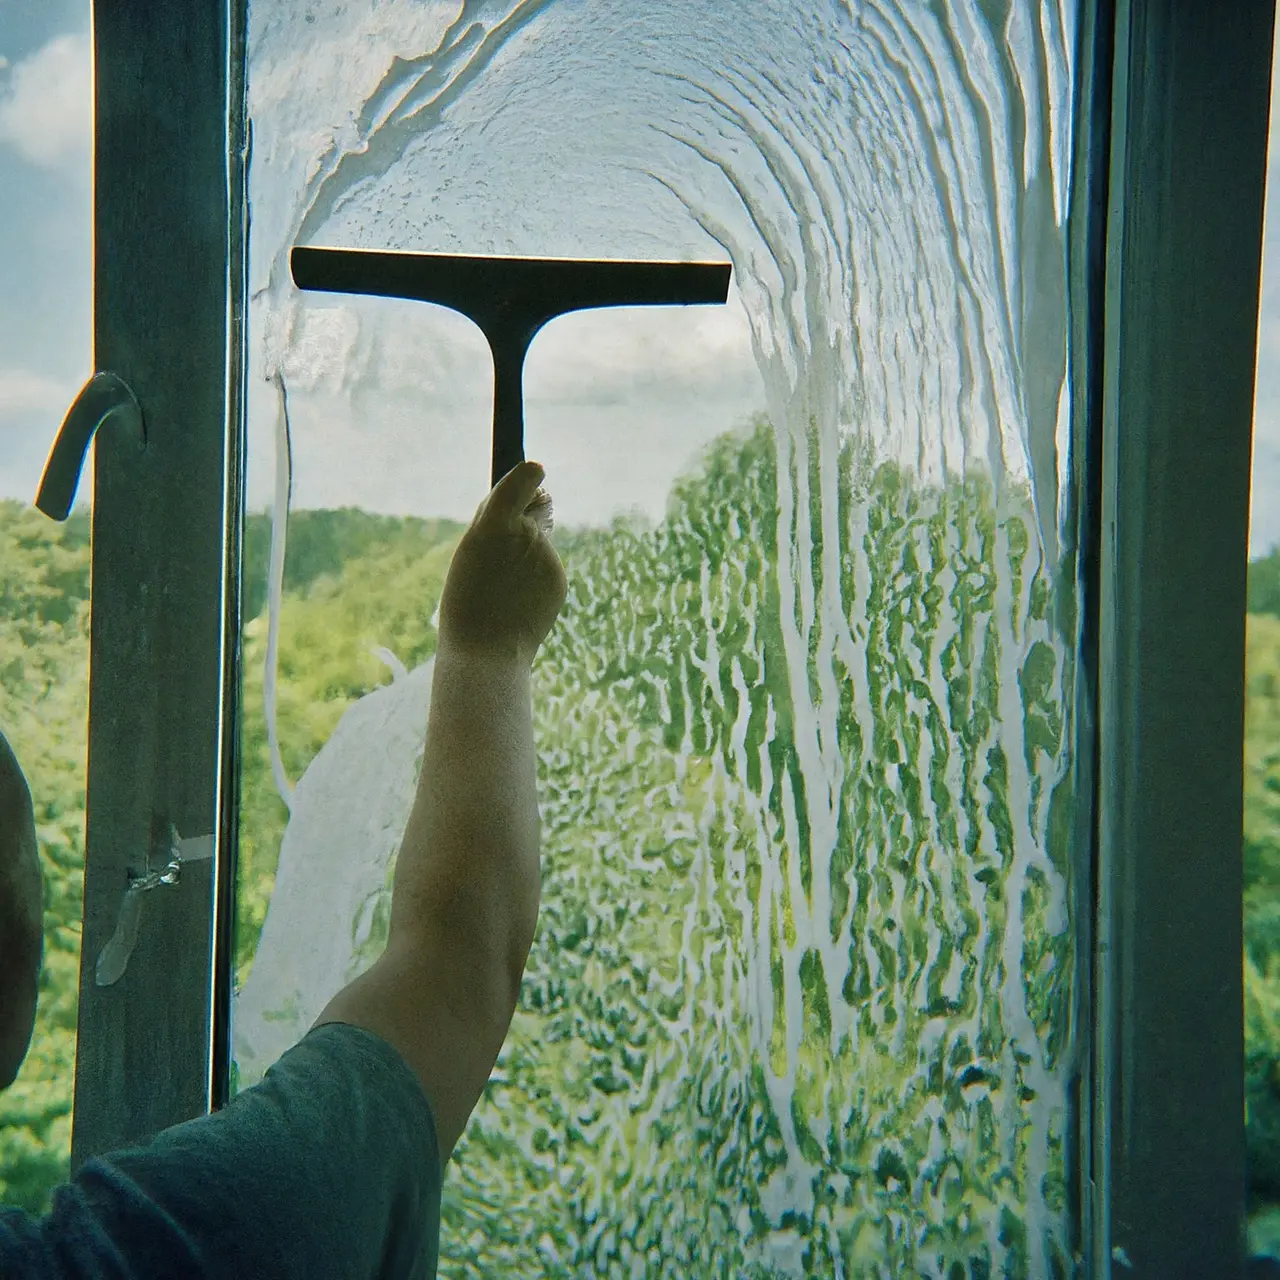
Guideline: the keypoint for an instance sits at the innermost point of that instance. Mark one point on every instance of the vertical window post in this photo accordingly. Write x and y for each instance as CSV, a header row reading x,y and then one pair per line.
x,y
167,215
1189,132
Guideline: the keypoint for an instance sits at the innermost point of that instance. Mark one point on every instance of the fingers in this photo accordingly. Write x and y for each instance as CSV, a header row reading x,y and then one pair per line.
x,y
541,512
514,492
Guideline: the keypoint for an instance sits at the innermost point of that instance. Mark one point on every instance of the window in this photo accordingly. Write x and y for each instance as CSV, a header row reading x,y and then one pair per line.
x,y
802,988
886,768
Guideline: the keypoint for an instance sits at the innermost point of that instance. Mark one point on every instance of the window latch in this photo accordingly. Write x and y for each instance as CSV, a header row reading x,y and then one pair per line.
x,y
113,959
104,397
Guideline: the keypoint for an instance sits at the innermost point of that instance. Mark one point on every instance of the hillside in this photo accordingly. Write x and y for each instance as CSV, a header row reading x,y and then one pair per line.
x,y
671,688
44,594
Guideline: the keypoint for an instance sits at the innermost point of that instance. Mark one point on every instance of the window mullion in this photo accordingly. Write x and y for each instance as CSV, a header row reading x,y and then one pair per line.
x,y
159,669
1189,141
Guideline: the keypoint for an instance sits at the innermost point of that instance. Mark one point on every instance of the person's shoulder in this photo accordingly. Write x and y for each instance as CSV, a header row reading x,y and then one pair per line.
x,y
338,1120
342,1056
23,1252
352,1086
362,1050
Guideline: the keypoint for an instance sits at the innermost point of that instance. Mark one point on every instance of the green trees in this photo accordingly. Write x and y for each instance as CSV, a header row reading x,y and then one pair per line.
x,y
352,580
797,990
1262,898
1264,584
677,777
801,969
44,665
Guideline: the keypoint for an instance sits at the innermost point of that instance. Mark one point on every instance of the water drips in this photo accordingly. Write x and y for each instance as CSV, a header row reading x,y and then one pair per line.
x,y
826,694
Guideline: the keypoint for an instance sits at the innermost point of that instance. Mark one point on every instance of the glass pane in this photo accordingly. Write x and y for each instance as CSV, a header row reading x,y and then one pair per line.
x,y
45,340
801,996
1262,755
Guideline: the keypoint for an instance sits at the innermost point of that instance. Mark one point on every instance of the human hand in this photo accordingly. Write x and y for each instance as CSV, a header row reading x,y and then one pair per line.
x,y
506,584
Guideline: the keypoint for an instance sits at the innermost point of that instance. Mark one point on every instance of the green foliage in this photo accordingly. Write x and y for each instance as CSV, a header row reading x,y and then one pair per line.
x,y
385,596
393,570
1262,781
44,663
1262,905
324,543
639,1121
1264,584
633,1107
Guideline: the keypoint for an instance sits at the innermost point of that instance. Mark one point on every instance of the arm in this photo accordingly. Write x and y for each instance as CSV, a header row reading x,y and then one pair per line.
x,y
21,916
465,899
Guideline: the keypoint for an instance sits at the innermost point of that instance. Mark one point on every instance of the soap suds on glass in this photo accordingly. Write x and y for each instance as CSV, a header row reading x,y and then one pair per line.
x,y
800,1001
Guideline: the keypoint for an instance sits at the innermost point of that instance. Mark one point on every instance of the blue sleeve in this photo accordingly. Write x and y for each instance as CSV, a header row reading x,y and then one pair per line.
x,y
328,1168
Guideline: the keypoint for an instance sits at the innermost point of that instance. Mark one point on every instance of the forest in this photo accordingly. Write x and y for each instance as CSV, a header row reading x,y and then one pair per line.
x,y
629,663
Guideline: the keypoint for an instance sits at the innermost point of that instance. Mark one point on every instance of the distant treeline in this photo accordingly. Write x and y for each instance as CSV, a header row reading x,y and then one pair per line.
x,y
1264,583
322,542
318,543
353,579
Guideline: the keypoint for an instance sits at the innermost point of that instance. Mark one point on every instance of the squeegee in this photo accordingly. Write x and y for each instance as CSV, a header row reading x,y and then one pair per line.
x,y
509,299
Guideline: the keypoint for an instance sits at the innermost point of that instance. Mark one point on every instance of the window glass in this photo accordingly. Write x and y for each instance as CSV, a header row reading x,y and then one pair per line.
x,y
1262,756
801,999
46,276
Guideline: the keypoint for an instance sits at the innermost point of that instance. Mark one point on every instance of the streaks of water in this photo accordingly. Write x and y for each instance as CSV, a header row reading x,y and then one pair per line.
x,y
796,1001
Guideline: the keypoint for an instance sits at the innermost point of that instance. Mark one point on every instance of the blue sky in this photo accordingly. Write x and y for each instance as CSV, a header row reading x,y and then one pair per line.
x,y
46,254
45,234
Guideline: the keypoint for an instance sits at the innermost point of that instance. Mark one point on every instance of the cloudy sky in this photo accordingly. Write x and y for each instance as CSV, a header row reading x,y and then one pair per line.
x,y
45,241
45,266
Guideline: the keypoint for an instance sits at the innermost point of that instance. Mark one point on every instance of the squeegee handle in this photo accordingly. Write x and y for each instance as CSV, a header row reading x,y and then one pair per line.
x,y
510,299
508,402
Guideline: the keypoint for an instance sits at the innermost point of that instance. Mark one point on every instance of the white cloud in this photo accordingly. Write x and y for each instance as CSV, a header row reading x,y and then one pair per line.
x,y
46,106
24,393
599,356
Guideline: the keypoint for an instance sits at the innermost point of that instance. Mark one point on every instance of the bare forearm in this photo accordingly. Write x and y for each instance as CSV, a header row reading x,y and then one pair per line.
x,y
465,901
468,870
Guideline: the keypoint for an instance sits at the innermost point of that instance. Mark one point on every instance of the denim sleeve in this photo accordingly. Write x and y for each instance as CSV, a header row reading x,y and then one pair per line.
x,y
327,1168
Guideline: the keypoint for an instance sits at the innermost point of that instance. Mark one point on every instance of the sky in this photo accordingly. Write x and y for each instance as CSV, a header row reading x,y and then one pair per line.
x,y
45,231
45,317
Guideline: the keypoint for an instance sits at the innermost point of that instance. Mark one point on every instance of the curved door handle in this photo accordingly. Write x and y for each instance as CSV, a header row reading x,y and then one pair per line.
x,y
103,397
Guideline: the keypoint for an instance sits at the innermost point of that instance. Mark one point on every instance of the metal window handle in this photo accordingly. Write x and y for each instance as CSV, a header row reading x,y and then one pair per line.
x,y
105,396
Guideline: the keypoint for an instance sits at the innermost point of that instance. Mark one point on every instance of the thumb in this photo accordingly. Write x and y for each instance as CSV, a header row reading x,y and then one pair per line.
x,y
514,492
